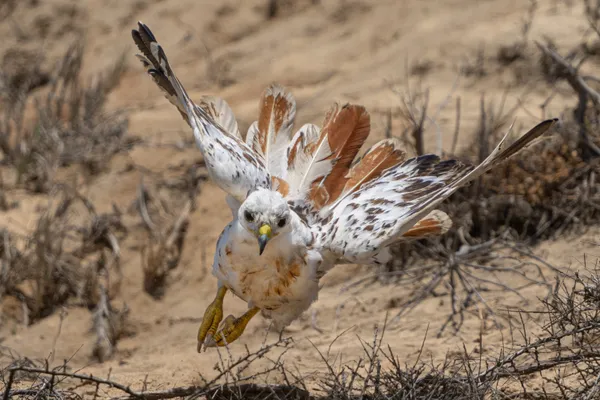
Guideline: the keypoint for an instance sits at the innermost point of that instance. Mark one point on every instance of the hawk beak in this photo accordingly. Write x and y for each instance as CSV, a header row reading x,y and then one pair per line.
x,y
264,234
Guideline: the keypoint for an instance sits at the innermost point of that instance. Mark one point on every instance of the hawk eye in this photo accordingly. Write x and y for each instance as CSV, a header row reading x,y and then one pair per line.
x,y
281,222
248,215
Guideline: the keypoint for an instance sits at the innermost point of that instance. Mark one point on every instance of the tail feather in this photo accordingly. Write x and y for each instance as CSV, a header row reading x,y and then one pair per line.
x,y
251,134
220,111
305,164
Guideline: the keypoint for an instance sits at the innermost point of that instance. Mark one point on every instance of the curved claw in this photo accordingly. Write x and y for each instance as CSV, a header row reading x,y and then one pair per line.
x,y
211,320
232,328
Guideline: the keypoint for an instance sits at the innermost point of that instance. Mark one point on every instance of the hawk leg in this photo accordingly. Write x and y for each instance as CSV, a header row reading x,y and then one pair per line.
x,y
232,328
212,317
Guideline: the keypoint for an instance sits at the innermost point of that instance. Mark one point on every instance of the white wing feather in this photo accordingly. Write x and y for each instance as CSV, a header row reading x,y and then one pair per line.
x,y
304,168
379,213
252,134
231,164
221,113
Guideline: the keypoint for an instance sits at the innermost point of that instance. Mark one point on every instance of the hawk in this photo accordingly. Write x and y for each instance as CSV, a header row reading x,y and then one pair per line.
x,y
303,202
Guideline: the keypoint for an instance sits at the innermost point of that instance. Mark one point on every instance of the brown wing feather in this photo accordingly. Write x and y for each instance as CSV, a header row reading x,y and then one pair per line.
x,y
345,129
275,106
373,163
280,185
435,223
277,111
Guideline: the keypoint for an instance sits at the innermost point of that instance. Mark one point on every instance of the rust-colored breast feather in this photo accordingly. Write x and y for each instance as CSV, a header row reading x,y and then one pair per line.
x,y
286,275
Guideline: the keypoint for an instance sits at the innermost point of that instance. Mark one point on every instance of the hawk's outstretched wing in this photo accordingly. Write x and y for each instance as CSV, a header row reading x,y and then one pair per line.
x,y
231,164
360,224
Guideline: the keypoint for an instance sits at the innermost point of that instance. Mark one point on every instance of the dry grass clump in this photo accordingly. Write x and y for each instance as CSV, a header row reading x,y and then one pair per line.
x,y
61,261
70,258
162,252
63,123
164,206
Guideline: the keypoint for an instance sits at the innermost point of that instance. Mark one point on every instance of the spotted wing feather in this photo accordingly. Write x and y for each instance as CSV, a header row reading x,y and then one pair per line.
x,y
272,133
231,164
379,158
220,111
364,223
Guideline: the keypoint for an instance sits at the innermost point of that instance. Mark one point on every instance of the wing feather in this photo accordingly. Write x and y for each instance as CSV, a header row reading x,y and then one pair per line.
x,y
344,132
435,223
220,111
382,156
383,210
277,112
231,164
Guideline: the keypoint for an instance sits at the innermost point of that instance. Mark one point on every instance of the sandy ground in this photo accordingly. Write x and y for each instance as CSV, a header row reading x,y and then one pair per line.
x,y
356,51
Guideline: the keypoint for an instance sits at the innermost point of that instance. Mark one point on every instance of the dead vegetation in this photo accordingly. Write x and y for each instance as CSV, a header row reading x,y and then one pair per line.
x,y
52,119
67,260
562,354
550,190
164,208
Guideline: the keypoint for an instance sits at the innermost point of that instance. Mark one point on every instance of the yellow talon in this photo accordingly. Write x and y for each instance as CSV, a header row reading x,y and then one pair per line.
x,y
232,328
212,317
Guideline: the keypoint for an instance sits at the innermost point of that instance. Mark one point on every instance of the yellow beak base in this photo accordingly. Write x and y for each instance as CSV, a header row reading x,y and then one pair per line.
x,y
265,230
264,234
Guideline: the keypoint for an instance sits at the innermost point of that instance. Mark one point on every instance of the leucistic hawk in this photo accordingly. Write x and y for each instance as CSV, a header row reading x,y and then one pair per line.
x,y
302,202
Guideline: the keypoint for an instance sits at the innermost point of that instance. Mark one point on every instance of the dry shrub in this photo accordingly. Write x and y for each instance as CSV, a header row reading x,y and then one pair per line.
x,y
164,208
66,260
548,190
516,51
61,261
564,355
109,324
65,123
286,8
163,252
235,378
559,361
